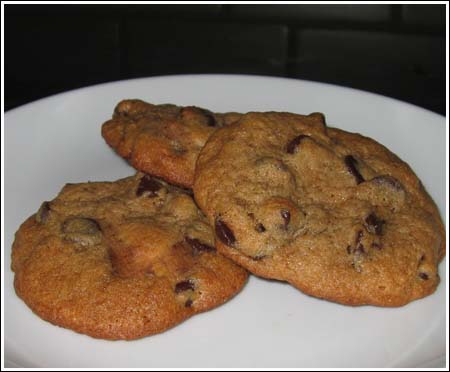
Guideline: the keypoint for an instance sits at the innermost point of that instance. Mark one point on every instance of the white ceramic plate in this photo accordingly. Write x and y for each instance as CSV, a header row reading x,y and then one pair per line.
x,y
269,324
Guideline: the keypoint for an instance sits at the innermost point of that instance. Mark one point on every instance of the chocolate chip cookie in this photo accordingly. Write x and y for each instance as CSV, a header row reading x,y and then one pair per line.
x,y
335,214
162,140
121,260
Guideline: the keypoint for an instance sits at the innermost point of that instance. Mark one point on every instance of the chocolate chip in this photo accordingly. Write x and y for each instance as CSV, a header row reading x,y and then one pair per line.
x,y
197,246
81,230
292,145
188,303
148,185
349,249
224,233
43,212
423,276
389,181
183,286
351,162
373,224
260,228
286,215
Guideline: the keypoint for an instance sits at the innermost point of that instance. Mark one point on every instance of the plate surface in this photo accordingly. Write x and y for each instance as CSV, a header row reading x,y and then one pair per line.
x,y
57,140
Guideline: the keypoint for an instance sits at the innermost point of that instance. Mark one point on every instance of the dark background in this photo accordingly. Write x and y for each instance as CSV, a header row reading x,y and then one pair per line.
x,y
394,50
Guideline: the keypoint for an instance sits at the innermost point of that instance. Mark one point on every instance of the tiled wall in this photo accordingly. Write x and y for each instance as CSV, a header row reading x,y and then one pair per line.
x,y
396,50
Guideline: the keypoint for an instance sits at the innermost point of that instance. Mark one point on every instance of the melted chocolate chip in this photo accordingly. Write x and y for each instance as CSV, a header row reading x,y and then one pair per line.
x,y
224,233
373,224
43,212
389,181
197,246
148,185
260,228
286,215
423,276
351,162
188,303
183,286
292,145
84,231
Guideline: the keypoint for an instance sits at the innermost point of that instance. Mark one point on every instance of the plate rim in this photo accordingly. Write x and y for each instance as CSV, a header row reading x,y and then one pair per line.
x,y
232,76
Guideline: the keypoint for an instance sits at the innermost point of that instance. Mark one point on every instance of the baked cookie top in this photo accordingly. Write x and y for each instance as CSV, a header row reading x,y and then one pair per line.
x,y
335,214
121,260
162,140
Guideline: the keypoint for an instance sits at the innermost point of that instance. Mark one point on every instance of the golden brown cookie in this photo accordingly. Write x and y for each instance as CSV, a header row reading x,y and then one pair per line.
x,y
162,140
121,260
335,214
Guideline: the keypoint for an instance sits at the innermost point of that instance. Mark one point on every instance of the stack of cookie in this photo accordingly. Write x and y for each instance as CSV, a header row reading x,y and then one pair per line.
x,y
217,196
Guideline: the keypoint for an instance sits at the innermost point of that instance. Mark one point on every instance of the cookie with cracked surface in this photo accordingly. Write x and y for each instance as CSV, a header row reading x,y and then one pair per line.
x,y
162,140
335,214
121,260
